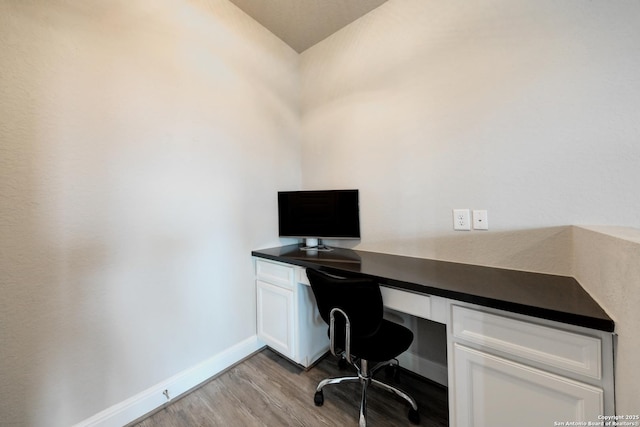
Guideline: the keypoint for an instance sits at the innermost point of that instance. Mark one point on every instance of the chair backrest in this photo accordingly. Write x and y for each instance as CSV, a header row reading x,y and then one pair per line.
x,y
359,297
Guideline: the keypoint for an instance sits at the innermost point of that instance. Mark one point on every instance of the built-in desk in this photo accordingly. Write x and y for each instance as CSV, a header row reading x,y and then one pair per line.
x,y
536,345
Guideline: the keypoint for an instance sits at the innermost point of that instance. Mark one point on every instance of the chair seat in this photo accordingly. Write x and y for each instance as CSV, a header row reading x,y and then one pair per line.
x,y
386,343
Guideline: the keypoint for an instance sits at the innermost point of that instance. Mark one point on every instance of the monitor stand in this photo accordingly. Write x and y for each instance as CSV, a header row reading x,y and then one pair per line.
x,y
312,244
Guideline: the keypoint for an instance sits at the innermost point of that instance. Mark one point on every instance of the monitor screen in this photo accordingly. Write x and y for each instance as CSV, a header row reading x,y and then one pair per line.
x,y
331,214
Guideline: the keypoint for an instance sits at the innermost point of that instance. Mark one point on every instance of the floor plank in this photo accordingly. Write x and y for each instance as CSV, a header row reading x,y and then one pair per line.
x,y
268,390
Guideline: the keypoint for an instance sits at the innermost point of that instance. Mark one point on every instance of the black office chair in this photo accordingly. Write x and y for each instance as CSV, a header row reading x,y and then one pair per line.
x,y
352,307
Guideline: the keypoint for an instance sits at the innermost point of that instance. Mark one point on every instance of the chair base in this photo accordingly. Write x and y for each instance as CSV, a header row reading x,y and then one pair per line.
x,y
365,377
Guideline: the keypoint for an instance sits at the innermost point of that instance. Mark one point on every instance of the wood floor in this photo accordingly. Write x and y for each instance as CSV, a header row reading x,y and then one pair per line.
x,y
267,390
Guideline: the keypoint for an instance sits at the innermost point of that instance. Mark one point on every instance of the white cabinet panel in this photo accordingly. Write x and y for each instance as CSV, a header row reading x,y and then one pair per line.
x,y
276,317
313,340
571,352
301,276
494,392
407,302
277,274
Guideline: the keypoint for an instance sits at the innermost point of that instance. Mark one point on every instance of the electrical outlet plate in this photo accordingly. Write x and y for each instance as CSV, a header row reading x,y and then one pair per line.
x,y
461,219
480,220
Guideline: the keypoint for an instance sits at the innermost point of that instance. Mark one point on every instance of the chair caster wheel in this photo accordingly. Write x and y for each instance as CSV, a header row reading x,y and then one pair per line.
x,y
414,416
342,364
318,398
393,371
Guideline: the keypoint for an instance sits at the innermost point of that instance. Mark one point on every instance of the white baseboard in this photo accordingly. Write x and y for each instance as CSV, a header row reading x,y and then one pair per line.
x,y
424,367
142,403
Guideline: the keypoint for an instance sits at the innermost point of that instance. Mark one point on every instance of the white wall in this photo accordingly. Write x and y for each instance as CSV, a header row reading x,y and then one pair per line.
x,y
529,109
142,144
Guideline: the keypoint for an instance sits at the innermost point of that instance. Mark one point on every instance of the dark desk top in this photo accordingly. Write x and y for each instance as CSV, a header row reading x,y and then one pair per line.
x,y
546,296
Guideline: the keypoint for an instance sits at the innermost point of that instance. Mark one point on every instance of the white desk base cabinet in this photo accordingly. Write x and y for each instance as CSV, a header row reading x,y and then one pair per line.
x,y
287,317
507,369
504,369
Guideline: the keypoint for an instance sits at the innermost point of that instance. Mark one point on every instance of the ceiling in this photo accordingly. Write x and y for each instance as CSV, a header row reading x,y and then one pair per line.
x,y
303,23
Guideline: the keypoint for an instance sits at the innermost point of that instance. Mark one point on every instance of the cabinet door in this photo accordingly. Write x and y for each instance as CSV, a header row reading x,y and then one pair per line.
x,y
276,317
494,392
